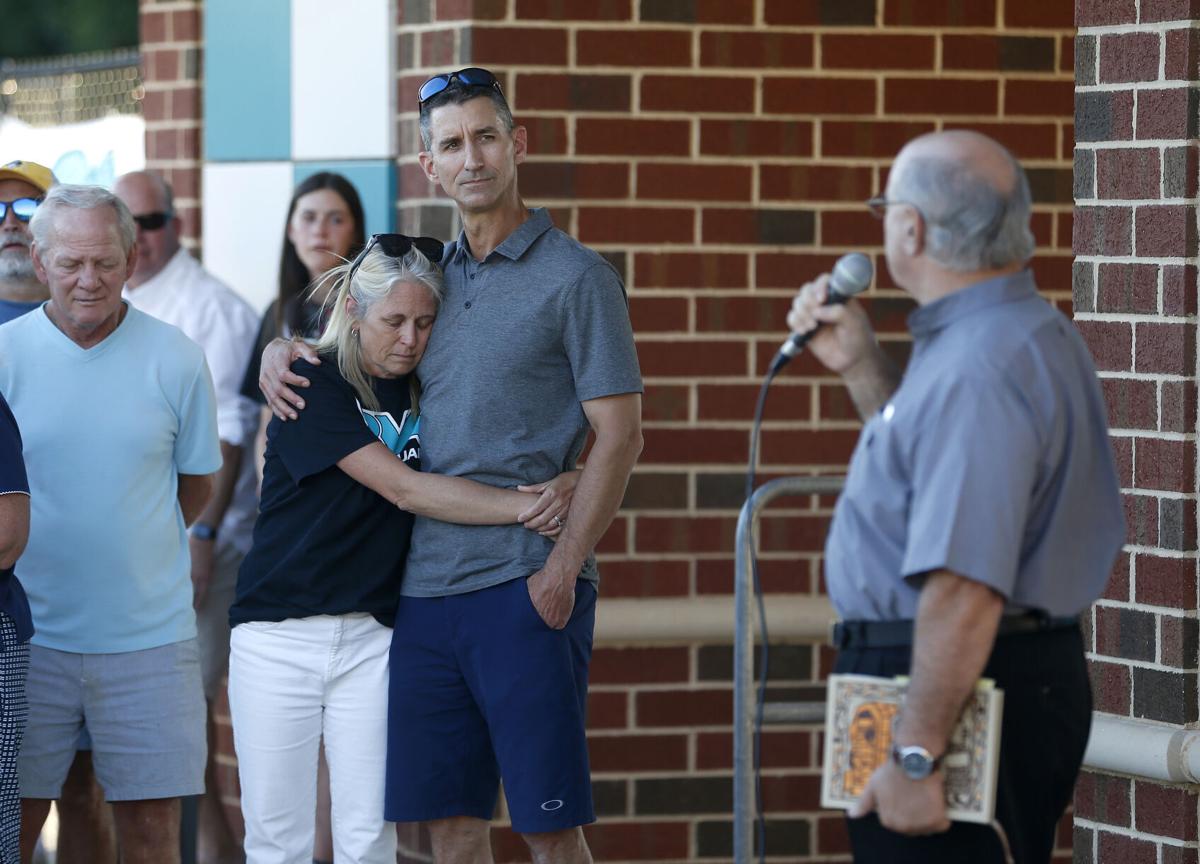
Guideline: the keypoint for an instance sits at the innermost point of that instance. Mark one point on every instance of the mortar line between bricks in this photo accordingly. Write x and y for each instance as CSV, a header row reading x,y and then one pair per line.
x,y
1183,615
1135,318
1135,202
1132,606
1133,833
1130,29
1133,259
1160,552
1143,143
1136,664
1138,86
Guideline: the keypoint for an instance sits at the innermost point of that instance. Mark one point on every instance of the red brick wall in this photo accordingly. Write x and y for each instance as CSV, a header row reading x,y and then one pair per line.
x,y
718,154
171,33
1135,298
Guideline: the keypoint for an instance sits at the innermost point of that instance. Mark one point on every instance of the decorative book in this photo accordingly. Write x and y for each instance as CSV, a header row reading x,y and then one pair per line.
x,y
859,714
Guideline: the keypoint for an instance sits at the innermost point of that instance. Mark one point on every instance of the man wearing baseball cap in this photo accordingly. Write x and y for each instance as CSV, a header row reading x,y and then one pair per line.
x,y
22,187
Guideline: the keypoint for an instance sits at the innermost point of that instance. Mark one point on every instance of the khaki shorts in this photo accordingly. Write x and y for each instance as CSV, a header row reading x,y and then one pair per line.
x,y
144,711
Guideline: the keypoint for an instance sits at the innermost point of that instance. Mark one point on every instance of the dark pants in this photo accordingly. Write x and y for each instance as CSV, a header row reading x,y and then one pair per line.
x,y
1047,713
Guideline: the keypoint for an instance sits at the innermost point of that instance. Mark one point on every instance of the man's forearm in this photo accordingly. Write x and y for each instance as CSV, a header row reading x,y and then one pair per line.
x,y
224,482
193,494
955,630
597,498
871,382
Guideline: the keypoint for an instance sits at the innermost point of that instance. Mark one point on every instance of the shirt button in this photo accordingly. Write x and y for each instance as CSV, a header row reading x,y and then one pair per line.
x,y
467,305
472,276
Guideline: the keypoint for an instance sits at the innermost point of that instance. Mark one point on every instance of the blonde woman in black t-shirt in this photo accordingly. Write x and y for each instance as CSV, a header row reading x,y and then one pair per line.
x,y
317,593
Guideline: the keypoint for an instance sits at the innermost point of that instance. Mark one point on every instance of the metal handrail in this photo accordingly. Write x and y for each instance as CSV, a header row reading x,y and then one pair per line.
x,y
743,650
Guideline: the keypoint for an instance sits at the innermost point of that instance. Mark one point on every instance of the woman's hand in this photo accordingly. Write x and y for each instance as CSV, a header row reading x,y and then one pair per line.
x,y
549,512
276,378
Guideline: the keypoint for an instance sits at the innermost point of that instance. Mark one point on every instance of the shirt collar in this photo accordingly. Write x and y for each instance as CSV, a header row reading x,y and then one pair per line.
x,y
941,313
518,242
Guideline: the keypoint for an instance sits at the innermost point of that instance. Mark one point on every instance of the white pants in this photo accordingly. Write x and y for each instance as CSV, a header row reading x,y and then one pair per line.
x,y
289,683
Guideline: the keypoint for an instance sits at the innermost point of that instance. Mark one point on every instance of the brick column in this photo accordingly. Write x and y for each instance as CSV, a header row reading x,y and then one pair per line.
x,y
1135,285
171,69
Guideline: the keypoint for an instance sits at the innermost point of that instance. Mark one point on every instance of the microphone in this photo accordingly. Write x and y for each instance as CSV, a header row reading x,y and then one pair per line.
x,y
851,275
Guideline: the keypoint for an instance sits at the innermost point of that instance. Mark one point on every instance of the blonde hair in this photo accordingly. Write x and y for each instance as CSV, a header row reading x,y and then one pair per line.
x,y
373,280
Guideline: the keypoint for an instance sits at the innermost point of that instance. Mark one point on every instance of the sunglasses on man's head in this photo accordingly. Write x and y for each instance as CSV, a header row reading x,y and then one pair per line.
x,y
152,221
470,77
22,208
397,246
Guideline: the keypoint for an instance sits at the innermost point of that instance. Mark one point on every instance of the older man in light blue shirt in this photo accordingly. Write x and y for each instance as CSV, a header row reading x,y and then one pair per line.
x,y
120,444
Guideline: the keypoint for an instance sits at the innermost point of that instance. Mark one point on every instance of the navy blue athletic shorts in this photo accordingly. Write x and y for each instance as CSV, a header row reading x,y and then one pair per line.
x,y
482,690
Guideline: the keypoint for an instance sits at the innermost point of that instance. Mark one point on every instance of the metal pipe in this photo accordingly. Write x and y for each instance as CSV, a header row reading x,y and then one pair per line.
x,y
743,650
1121,745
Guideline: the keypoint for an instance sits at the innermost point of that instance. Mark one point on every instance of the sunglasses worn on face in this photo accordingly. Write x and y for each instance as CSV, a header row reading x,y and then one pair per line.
x,y
470,77
152,221
22,208
397,246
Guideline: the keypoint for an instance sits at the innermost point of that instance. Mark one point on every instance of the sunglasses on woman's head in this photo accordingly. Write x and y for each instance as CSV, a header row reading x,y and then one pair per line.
x,y
397,246
470,77
22,208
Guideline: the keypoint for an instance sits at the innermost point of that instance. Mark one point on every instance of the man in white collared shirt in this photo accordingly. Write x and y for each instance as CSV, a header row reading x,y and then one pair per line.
x,y
170,284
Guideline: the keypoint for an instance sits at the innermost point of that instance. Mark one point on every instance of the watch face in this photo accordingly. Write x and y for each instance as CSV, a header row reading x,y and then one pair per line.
x,y
916,764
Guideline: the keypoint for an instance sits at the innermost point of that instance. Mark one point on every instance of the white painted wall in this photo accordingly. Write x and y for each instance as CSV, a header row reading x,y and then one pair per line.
x,y
245,205
343,79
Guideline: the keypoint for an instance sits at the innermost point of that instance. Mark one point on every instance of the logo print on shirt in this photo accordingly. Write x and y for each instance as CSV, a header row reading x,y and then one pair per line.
x,y
552,804
401,438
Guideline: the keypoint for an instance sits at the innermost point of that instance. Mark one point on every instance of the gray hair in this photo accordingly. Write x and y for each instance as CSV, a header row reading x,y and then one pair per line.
x,y
373,281
457,94
970,225
70,196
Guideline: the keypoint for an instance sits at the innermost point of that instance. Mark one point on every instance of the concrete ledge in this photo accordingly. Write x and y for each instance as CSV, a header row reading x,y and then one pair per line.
x,y
660,620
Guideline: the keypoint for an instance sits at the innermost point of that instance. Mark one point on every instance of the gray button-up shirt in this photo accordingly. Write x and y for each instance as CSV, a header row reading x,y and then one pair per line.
x,y
991,460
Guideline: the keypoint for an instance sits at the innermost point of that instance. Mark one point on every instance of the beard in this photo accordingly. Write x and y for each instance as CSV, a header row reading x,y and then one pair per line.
x,y
16,266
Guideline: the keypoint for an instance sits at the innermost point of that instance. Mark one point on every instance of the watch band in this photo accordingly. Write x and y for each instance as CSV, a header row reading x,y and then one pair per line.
x,y
204,531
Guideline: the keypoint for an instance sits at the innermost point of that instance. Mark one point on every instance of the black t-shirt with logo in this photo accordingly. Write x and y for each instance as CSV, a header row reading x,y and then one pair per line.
x,y
323,543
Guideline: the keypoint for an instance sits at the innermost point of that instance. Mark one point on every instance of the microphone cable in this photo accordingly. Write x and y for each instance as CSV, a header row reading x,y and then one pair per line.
x,y
765,653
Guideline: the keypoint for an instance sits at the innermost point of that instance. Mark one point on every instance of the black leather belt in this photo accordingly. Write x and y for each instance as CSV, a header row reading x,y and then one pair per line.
x,y
898,634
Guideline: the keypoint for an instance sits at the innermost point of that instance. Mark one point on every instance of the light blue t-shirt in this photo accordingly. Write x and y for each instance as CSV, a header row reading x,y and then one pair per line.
x,y
106,433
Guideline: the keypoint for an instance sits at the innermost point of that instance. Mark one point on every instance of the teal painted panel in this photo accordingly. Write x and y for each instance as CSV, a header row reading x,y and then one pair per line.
x,y
375,180
247,80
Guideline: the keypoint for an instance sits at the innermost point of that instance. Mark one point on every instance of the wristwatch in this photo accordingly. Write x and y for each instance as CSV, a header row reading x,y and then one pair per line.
x,y
204,531
916,762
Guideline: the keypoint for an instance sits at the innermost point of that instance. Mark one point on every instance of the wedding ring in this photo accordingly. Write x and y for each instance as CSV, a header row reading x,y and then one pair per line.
x,y
558,520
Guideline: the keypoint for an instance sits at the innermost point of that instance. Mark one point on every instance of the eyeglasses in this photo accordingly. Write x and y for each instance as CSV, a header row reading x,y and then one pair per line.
x,y
397,246
470,77
153,221
879,204
22,208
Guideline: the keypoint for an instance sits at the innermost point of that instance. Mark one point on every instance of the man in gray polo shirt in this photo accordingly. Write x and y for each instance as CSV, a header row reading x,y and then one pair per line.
x,y
532,347
981,514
